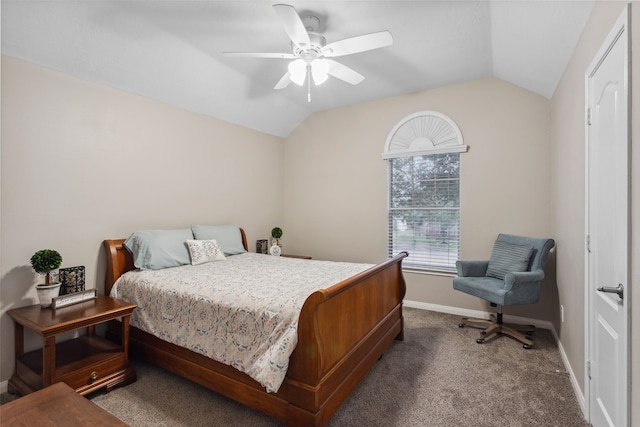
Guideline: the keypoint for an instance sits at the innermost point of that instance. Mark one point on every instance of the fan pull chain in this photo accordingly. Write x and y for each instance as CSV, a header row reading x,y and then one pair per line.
x,y
309,82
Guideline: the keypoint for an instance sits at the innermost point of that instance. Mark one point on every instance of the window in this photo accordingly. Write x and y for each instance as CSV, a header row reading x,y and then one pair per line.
x,y
424,209
423,156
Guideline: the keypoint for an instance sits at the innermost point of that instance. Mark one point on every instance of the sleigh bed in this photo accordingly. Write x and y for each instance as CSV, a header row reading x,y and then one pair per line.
x,y
342,331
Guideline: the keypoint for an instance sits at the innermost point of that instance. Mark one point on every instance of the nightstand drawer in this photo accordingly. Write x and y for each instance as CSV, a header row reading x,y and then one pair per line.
x,y
77,361
98,376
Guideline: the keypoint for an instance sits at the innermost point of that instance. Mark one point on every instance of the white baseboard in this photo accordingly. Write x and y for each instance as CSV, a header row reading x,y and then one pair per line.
x,y
572,377
4,386
543,324
574,381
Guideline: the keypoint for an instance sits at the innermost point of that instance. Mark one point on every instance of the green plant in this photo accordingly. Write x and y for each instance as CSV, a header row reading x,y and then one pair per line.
x,y
44,261
276,232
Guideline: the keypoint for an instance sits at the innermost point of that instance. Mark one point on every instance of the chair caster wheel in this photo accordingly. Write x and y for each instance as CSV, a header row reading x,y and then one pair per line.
x,y
480,340
460,325
527,346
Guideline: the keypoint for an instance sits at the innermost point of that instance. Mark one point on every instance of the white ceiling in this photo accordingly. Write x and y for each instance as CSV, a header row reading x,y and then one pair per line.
x,y
171,50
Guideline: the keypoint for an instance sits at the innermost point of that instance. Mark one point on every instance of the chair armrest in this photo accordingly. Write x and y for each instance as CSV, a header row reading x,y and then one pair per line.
x,y
516,278
472,268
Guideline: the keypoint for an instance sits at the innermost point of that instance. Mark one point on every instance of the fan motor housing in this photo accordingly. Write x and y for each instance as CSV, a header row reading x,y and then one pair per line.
x,y
313,50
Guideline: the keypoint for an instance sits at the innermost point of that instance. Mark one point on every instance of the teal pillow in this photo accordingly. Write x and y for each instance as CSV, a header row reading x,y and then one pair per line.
x,y
508,258
156,249
228,237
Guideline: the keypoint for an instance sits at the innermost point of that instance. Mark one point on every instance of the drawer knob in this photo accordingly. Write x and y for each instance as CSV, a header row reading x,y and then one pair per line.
x,y
93,375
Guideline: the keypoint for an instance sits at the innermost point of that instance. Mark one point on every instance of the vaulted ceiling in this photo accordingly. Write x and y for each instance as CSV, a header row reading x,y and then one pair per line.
x,y
172,50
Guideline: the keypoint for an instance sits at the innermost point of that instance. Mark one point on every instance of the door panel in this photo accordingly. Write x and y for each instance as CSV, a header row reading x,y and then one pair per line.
x,y
608,229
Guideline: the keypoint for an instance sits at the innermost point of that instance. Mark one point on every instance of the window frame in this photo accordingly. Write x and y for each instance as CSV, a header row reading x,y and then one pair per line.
x,y
424,134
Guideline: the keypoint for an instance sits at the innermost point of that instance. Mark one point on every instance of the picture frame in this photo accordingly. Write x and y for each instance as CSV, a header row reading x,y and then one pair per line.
x,y
72,279
262,246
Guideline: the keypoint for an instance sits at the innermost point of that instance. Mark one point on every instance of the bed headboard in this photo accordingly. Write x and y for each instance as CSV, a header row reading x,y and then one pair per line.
x,y
119,260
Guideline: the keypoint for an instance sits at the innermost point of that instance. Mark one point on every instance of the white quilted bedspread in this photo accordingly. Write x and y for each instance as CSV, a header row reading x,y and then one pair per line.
x,y
242,311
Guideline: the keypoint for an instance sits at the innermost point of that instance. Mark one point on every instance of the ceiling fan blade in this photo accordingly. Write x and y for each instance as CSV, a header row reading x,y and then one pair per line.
x,y
344,73
259,55
292,24
358,44
283,82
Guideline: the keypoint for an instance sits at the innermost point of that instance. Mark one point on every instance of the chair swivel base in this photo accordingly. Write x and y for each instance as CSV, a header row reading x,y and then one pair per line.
x,y
520,333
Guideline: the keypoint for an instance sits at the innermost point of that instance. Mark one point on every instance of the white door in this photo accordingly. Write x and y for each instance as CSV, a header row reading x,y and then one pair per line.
x,y
608,230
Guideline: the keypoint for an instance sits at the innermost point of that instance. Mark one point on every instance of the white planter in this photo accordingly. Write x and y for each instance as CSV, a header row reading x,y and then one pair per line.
x,y
47,292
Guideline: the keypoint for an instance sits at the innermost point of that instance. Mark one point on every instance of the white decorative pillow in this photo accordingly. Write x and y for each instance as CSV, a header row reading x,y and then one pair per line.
x,y
204,251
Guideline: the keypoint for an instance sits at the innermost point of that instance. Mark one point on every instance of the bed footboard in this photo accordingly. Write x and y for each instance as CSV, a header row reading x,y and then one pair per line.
x,y
342,332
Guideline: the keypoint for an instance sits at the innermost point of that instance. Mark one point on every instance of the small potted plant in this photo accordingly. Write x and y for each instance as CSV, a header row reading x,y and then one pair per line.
x,y
44,262
276,233
276,249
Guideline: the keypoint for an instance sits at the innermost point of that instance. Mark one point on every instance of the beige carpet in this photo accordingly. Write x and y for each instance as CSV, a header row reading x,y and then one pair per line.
x,y
437,376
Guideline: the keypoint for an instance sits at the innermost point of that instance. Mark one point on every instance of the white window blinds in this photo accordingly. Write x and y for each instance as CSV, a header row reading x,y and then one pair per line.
x,y
423,156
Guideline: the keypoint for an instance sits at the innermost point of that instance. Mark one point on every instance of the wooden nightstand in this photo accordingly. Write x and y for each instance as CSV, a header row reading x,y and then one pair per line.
x,y
296,256
87,363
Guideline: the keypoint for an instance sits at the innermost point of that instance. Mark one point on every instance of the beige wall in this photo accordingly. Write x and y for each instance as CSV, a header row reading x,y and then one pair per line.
x,y
335,180
568,136
82,162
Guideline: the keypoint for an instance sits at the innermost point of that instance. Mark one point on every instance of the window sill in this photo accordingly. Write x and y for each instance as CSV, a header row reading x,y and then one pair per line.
x,y
443,273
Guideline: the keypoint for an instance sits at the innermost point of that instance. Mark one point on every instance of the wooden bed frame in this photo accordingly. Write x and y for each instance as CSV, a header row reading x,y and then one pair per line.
x,y
342,332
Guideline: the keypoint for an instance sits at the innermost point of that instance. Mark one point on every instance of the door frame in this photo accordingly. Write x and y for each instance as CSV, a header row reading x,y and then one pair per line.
x,y
622,27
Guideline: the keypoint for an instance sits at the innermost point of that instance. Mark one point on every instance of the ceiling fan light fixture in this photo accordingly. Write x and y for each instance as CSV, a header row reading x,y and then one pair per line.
x,y
311,55
298,71
319,71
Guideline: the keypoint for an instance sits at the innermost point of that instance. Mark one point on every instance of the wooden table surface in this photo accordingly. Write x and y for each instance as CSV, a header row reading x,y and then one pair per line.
x,y
49,322
56,405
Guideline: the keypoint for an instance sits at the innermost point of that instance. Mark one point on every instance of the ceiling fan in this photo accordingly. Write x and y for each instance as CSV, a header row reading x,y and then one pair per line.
x,y
310,51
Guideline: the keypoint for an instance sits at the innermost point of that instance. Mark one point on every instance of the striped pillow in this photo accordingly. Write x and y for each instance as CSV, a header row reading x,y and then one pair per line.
x,y
508,258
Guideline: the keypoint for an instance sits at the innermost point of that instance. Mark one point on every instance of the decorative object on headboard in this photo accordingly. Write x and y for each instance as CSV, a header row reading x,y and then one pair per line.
x,y
72,279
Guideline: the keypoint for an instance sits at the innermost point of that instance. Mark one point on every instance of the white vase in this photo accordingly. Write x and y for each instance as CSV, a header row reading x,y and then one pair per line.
x,y
47,292
275,250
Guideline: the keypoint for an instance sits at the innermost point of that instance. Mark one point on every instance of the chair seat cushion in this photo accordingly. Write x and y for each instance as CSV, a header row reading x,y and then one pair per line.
x,y
508,258
487,288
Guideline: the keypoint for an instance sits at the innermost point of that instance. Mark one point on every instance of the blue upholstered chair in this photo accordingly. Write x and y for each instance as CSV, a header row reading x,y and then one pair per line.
x,y
512,276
